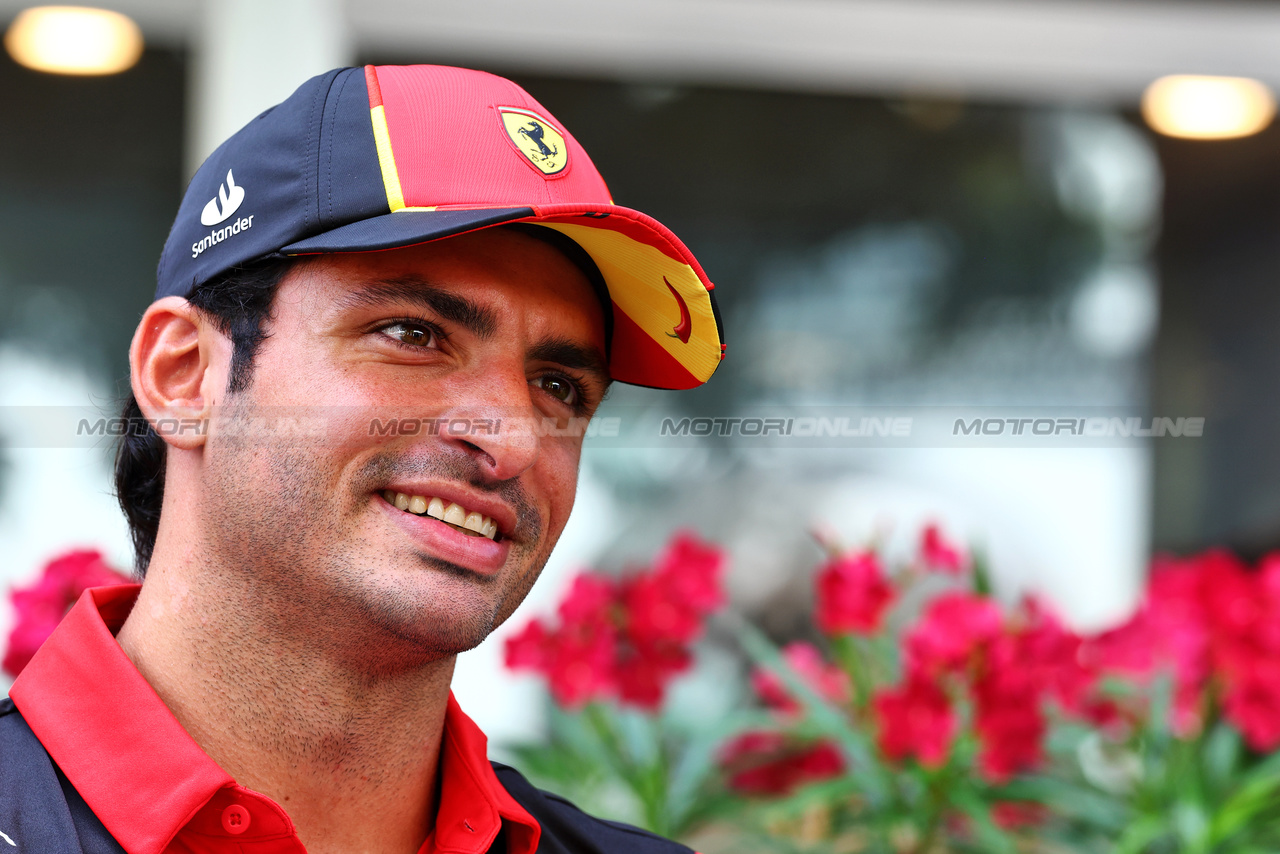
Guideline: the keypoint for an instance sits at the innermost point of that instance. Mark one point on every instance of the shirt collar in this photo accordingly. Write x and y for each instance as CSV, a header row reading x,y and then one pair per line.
x,y
146,778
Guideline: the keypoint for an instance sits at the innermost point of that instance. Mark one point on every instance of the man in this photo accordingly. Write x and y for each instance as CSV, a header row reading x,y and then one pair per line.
x,y
390,246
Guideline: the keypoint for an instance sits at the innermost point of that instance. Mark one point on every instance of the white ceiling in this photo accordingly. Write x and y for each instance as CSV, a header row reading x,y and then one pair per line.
x,y
993,49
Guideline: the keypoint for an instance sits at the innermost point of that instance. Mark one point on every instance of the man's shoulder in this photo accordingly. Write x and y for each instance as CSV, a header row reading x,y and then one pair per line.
x,y
575,831
39,809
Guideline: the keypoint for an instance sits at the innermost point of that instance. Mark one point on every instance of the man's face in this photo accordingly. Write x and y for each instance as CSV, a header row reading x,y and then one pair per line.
x,y
491,326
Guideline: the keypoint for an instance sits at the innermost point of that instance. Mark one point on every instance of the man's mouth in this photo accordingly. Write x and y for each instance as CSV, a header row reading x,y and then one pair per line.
x,y
454,515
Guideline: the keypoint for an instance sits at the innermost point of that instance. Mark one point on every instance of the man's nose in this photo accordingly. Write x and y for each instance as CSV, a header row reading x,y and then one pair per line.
x,y
499,427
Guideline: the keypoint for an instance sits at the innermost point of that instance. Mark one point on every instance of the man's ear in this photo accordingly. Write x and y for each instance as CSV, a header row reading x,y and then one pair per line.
x,y
170,372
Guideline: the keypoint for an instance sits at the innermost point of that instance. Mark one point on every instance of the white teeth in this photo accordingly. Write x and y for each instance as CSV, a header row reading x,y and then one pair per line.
x,y
453,514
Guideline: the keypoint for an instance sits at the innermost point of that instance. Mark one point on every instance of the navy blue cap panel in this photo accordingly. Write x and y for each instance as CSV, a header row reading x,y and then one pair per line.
x,y
348,178
403,228
243,203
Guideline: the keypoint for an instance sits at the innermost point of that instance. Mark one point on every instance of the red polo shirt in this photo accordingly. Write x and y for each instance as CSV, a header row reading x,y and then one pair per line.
x,y
156,791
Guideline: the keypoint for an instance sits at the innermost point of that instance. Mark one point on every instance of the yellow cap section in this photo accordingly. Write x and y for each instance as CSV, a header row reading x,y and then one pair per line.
x,y
637,275
387,160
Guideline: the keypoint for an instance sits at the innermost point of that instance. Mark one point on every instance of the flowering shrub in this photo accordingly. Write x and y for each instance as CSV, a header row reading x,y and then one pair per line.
x,y
974,724
42,606
1214,625
625,638
932,717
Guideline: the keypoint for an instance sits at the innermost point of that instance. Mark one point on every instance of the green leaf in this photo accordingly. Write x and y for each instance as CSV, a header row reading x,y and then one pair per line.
x,y
1191,822
1139,835
693,770
990,837
981,572
1267,769
1256,795
1222,751
1070,800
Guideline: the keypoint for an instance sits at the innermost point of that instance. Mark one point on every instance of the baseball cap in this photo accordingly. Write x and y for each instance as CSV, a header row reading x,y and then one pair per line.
x,y
380,157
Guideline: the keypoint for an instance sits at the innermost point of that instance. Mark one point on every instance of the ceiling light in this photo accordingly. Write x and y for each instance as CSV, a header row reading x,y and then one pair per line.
x,y
73,40
1195,107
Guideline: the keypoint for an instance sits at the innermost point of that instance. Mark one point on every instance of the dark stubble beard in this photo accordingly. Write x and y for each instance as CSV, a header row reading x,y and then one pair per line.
x,y
272,523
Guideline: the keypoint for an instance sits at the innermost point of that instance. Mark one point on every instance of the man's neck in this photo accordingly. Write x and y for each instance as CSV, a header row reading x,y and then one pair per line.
x,y
352,756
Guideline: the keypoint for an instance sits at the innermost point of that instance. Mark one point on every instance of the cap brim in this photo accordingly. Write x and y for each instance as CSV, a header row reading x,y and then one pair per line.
x,y
403,228
667,331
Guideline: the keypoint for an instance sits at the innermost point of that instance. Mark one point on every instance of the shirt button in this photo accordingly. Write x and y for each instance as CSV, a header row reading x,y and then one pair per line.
x,y
235,819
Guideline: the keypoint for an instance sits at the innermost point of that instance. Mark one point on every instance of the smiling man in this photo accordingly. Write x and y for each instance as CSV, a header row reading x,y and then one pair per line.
x,y
391,245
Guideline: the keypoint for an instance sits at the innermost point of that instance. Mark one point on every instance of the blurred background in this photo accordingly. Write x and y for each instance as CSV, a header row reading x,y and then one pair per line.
x,y
909,206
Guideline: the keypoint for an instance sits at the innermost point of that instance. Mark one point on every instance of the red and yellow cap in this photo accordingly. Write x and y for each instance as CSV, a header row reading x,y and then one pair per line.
x,y
381,157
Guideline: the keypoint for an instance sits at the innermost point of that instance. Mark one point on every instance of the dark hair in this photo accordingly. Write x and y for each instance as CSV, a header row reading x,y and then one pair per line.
x,y
239,304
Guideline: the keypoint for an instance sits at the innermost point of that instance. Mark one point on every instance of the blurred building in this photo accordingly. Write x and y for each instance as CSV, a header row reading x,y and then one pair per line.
x,y
922,209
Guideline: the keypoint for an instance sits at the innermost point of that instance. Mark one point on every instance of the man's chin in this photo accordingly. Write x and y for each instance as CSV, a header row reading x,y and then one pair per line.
x,y
444,618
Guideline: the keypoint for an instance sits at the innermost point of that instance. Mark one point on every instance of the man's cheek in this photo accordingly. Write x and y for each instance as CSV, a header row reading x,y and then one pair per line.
x,y
568,462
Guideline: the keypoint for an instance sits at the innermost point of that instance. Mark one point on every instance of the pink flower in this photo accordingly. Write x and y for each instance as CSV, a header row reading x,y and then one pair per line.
x,y
528,650
642,676
576,658
1212,622
672,601
42,606
852,594
1252,703
767,763
655,614
1015,815
1007,714
589,599
915,720
625,639
1267,634
579,668
938,554
952,629
690,571
1012,739
804,659
1053,654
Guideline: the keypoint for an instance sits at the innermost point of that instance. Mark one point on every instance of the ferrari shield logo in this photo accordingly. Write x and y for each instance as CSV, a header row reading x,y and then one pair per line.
x,y
536,139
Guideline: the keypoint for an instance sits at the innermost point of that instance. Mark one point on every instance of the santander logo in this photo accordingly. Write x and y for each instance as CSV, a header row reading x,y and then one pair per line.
x,y
228,202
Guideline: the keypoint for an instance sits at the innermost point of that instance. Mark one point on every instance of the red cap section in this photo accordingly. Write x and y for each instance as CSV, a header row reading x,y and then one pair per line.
x,y
451,146
371,83
638,359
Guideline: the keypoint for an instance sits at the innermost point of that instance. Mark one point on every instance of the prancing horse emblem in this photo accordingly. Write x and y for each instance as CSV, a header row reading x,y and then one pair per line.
x,y
534,133
536,138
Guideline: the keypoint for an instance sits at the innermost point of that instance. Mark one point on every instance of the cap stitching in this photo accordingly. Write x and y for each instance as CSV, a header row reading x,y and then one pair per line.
x,y
333,120
312,154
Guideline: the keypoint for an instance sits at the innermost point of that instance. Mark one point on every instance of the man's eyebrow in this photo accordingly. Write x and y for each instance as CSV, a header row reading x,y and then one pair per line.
x,y
480,321
570,354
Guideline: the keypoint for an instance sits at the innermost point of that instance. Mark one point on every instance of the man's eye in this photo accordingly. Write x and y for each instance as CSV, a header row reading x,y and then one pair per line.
x,y
411,334
559,388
